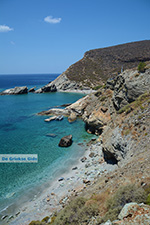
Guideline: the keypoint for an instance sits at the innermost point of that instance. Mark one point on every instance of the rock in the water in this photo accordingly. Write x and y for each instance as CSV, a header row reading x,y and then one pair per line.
x,y
59,118
51,135
47,88
15,91
66,141
32,89
50,119
55,111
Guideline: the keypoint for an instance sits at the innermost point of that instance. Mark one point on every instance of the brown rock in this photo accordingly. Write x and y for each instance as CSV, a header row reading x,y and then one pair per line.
x,y
66,141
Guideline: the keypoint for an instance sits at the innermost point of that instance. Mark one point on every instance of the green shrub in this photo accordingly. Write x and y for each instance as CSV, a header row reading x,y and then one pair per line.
x,y
142,67
76,212
125,194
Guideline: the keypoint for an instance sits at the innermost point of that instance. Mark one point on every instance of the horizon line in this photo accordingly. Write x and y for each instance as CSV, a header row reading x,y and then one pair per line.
x,y
28,73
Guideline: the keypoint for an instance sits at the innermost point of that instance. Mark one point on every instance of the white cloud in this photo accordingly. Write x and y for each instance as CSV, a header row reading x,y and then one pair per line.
x,y
50,19
4,28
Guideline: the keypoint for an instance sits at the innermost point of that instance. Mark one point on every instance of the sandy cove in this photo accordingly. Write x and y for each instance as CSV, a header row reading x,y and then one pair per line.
x,y
84,173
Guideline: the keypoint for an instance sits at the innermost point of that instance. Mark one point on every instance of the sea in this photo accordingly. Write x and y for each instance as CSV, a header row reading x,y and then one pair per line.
x,y
22,131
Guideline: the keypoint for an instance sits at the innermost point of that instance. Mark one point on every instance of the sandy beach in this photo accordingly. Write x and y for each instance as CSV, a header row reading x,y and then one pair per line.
x,y
88,168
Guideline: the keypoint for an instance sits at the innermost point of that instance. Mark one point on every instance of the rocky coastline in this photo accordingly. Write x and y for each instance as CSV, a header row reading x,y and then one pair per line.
x,y
118,114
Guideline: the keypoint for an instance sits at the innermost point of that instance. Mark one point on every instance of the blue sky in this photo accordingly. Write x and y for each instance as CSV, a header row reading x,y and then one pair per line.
x,y
47,36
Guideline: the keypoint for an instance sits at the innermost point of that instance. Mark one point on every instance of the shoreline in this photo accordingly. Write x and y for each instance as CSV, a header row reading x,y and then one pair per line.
x,y
86,92
73,182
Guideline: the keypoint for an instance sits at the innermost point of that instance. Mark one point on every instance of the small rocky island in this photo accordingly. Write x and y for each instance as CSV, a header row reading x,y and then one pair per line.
x,y
15,91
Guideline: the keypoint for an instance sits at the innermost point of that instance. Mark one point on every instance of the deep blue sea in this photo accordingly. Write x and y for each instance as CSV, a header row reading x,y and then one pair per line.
x,y
24,132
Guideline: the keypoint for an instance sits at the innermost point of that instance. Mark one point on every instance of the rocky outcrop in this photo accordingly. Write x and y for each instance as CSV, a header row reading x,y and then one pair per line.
x,y
133,213
128,86
56,111
47,88
115,146
63,83
66,141
15,91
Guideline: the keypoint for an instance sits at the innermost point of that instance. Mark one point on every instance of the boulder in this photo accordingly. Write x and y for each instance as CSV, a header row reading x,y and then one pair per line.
x,y
66,141
115,147
93,124
15,91
133,213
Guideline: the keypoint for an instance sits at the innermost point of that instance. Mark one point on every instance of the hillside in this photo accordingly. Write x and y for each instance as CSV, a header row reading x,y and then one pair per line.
x,y
100,64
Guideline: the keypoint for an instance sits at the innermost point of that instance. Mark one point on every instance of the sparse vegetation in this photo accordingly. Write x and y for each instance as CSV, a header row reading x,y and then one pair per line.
x,y
100,64
76,212
138,102
125,194
142,67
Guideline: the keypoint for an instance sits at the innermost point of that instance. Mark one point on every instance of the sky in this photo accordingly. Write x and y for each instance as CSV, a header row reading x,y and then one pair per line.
x,y
47,36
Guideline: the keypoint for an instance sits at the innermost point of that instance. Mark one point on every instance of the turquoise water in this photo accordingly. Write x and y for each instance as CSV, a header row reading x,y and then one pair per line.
x,y
24,132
